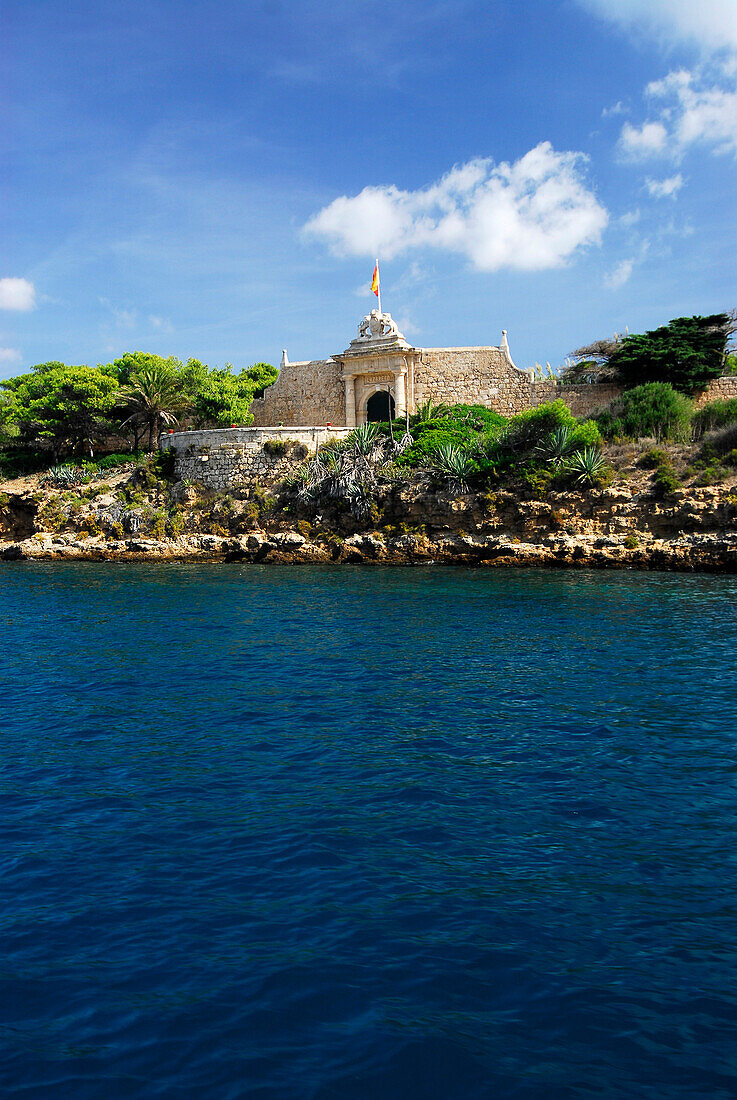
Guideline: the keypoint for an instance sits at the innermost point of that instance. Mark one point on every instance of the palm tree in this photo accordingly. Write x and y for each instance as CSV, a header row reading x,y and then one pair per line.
x,y
152,399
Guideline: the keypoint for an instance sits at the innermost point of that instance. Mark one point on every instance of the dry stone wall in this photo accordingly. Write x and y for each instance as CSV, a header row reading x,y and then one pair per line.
x,y
224,458
721,389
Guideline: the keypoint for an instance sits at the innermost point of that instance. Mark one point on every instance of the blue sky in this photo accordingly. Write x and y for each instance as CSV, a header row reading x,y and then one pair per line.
x,y
214,179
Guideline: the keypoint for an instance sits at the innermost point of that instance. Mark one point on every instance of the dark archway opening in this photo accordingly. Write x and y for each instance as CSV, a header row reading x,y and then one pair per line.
x,y
380,407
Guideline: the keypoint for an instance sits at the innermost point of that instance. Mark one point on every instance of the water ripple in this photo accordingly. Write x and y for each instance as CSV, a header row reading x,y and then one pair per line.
x,y
315,833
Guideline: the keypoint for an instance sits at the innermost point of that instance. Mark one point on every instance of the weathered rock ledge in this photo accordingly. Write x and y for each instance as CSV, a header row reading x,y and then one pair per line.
x,y
694,552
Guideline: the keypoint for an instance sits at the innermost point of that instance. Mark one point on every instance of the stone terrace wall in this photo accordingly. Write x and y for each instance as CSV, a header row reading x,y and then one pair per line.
x,y
304,393
226,457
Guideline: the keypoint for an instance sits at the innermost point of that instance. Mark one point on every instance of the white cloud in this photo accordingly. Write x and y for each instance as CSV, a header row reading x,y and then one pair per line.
x,y
17,294
631,218
161,324
649,139
664,189
698,107
124,318
710,24
618,109
529,215
619,276
10,355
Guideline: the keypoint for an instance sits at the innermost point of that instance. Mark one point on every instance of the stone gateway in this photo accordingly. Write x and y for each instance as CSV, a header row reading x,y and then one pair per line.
x,y
380,372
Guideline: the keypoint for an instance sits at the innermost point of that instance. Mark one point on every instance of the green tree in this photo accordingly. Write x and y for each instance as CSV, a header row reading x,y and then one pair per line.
x,y
154,397
262,375
687,353
60,406
222,396
135,361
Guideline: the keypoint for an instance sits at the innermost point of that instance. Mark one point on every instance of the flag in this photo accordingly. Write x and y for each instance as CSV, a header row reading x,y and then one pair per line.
x,y
375,280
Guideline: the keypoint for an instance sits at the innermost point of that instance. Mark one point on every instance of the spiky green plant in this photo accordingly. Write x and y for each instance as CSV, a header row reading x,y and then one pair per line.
x,y
455,465
557,446
363,440
586,466
358,495
64,477
426,410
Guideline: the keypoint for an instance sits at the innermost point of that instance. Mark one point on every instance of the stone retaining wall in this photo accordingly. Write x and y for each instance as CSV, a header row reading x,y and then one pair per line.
x,y
226,457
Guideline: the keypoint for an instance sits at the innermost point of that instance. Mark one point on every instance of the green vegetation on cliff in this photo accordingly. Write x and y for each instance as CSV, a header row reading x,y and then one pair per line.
x,y
69,410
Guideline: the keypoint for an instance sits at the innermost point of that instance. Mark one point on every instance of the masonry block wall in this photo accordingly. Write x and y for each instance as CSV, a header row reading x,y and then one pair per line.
x,y
226,457
470,376
304,393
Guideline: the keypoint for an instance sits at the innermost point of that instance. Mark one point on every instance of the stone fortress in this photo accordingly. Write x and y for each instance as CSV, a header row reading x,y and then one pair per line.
x,y
379,374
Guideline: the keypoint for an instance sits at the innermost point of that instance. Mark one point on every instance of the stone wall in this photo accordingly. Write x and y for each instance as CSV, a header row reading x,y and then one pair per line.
x,y
304,393
314,392
721,389
584,400
484,376
470,376
226,457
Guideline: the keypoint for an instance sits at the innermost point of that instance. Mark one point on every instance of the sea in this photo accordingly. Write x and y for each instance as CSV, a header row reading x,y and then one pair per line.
x,y
347,832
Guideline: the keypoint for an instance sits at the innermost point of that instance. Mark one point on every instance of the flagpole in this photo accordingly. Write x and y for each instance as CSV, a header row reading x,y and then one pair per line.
x,y
378,280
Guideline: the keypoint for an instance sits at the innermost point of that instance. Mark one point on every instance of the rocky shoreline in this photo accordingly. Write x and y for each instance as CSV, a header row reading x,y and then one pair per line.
x,y
707,553
133,516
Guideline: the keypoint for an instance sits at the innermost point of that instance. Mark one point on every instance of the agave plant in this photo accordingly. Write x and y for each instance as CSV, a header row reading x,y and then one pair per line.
x,y
455,465
64,477
586,466
404,443
364,441
359,499
557,446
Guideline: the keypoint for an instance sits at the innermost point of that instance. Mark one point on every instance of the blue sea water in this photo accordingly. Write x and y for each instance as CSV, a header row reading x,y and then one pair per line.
x,y
366,833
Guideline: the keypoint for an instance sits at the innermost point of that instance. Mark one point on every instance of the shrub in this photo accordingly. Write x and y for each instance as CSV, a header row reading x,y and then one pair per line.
x,y
277,448
425,448
164,462
665,480
533,427
631,542
653,409
479,417
653,458
714,415
721,441
110,462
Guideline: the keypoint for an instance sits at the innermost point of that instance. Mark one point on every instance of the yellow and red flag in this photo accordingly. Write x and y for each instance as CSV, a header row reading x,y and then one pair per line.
x,y
375,280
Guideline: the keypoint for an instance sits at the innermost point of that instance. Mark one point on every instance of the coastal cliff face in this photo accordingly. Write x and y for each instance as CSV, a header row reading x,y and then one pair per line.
x,y
135,515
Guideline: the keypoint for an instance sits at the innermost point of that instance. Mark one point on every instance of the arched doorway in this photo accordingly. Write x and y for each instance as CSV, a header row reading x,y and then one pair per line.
x,y
379,407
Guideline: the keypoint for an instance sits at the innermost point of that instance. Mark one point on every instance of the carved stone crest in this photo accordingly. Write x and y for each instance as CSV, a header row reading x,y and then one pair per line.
x,y
376,325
